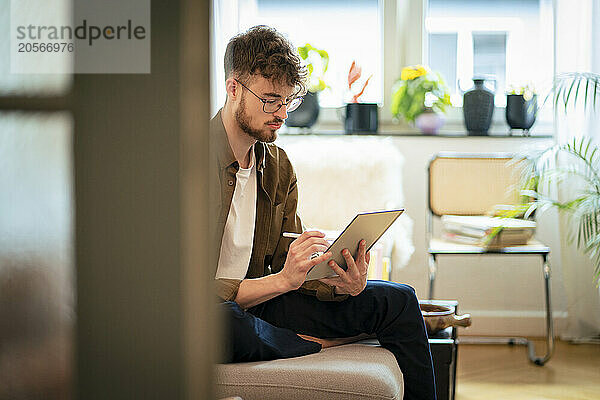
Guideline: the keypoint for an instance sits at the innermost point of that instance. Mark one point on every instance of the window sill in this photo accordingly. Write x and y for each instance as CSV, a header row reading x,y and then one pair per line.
x,y
399,133
331,122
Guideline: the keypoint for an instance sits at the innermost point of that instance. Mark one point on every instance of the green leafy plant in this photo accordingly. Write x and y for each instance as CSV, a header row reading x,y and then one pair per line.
x,y
576,162
419,89
571,85
317,64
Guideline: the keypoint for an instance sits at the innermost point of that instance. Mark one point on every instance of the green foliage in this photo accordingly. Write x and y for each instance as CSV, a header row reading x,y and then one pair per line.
x,y
578,165
410,95
571,87
317,57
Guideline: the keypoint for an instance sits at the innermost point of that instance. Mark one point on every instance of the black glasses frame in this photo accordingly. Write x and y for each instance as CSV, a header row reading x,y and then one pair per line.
x,y
281,103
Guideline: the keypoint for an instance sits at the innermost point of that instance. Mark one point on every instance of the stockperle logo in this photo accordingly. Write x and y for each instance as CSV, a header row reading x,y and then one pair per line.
x,y
82,36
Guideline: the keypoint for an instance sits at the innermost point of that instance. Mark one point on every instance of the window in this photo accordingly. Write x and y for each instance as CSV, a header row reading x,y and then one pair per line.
x,y
489,55
347,29
509,40
443,55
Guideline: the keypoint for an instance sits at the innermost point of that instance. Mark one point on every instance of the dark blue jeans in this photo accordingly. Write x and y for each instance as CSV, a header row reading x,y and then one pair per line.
x,y
386,309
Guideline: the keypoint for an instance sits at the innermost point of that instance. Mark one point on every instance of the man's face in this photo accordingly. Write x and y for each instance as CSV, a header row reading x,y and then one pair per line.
x,y
249,114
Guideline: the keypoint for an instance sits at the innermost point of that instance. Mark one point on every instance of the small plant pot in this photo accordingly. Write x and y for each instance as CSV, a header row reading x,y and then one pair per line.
x,y
429,122
307,114
361,118
520,113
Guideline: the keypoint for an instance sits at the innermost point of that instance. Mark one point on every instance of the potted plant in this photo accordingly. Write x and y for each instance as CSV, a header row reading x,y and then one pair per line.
x,y
521,107
360,117
579,166
317,61
420,97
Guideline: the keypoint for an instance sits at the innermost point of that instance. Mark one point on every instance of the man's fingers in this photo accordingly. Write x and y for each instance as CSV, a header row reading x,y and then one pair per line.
x,y
336,268
304,249
313,233
362,246
306,265
304,236
315,249
320,259
363,262
310,241
307,235
352,269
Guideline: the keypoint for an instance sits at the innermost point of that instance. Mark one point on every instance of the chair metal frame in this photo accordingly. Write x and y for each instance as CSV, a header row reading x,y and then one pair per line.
x,y
535,249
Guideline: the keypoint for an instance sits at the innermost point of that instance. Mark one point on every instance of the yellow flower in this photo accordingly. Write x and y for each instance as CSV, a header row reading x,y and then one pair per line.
x,y
412,72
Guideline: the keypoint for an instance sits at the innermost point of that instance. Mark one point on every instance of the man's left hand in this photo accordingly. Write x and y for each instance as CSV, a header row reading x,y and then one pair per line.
x,y
354,280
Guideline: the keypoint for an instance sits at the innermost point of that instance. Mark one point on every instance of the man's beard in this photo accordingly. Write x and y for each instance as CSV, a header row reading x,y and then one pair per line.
x,y
266,135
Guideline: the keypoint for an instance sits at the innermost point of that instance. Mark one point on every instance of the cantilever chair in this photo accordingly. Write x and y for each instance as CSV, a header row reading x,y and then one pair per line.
x,y
472,184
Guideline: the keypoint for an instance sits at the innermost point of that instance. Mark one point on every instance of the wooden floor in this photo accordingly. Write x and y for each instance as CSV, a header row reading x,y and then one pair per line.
x,y
504,372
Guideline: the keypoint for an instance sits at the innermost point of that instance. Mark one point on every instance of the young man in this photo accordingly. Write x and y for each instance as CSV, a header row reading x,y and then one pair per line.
x,y
270,311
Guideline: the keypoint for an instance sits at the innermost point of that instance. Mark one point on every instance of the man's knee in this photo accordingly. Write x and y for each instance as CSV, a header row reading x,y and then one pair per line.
x,y
394,306
405,291
238,321
393,290
241,338
404,294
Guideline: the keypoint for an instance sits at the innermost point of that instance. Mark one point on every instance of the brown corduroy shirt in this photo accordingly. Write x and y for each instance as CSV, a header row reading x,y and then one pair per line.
x,y
276,203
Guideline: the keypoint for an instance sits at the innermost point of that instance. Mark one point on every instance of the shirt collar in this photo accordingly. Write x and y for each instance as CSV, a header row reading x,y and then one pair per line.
x,y
252,161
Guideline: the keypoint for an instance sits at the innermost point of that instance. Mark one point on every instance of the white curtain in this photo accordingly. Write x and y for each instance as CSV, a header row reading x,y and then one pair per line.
x,y
577,49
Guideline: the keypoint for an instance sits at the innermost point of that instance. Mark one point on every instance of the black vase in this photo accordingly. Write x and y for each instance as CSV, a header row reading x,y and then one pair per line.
x,y
307,114
478,108
361,118
520,113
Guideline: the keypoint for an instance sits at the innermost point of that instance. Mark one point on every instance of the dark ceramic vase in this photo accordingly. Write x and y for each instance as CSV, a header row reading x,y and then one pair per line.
x,y
520,113
478,108
307,114
361,118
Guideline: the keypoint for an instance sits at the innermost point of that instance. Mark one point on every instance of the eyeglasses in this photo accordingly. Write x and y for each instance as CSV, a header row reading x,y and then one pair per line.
x,y
272,106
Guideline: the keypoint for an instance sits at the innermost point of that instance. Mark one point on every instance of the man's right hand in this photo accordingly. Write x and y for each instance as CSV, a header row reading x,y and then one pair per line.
x,y
298,261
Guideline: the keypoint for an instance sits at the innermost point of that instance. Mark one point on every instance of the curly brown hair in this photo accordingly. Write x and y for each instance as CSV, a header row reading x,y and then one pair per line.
x,y
262,50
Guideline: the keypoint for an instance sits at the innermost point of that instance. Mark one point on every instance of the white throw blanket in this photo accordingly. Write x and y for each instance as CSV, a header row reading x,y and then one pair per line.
x,y
341,176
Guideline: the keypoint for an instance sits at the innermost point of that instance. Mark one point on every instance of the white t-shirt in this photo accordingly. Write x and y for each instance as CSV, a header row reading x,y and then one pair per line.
x,y
238,236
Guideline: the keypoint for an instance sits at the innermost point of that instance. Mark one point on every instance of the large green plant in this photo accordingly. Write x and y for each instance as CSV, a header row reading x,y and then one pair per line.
x,y
576,162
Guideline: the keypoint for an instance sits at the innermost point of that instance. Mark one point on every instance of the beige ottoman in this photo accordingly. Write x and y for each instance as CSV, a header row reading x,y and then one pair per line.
x,y
351,371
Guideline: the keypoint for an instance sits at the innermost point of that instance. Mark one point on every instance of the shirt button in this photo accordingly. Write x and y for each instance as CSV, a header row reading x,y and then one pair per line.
x,y
230,183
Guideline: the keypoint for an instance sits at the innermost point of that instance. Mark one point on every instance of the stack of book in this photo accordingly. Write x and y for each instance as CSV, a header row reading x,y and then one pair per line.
x,y
379,265
493,232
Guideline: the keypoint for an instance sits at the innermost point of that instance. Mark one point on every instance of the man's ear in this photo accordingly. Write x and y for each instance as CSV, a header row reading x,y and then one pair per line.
x,y
232,88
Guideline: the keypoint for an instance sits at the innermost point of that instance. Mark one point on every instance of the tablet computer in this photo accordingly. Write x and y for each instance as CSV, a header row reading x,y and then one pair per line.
x,y
368,226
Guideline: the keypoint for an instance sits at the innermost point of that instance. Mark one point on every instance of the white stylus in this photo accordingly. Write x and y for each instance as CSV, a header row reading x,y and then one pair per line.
x,y
293,235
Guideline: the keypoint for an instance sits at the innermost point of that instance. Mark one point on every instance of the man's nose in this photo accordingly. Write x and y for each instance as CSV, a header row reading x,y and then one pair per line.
x,y
281,113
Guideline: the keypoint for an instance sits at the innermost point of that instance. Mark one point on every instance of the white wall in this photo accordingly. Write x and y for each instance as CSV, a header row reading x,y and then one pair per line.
x,y
505,295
